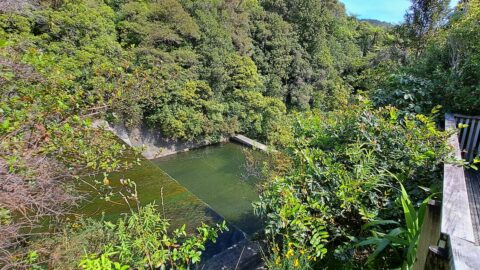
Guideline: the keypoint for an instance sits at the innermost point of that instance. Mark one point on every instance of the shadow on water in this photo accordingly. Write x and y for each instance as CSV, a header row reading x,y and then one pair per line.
x,y
217,175
208,185
225,239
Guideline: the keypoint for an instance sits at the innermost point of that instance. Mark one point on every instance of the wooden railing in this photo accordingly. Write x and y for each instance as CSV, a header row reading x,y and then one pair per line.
x,y
457,247
469,135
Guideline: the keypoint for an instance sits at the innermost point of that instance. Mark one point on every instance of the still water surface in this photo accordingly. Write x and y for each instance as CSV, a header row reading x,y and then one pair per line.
x,y
219,176
193,184
181,206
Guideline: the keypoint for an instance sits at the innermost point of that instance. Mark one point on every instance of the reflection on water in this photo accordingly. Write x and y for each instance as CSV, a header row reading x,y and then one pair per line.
x,y
220,177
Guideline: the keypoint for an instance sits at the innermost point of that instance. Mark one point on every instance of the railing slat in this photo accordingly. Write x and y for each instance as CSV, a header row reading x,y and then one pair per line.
x,y
464,134
459,121
478,147
470,146
475,141
468,137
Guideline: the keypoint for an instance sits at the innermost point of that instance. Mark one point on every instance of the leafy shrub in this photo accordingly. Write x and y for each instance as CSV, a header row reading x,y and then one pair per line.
x,y
407,93
287,257
341,178
102,263
402,237
142,239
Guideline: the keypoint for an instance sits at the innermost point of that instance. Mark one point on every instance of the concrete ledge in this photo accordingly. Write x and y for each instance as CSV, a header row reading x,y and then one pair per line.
x,y
249,142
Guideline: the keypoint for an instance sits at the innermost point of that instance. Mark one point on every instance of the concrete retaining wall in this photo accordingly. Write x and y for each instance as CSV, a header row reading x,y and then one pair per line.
x,y
153,143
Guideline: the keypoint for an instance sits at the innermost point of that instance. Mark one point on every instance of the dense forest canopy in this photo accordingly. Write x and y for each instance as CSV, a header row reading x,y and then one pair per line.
x,y
350,105
200,69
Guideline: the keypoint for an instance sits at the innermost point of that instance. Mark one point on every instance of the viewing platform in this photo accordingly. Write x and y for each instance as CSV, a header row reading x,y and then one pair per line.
x,y
460,200
457,246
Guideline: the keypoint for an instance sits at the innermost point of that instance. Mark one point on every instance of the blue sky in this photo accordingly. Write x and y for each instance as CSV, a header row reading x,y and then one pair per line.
x,y
385,10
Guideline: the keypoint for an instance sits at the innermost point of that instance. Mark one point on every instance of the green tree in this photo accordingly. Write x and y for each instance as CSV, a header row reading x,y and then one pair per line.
x,y
423,18
445,73
160,24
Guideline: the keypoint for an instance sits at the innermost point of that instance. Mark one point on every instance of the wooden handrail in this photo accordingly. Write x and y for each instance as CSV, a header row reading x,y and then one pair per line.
x,y
456,215
466,116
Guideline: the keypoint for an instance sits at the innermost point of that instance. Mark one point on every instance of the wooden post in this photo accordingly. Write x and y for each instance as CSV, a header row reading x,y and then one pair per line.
x,y
438,257
430,233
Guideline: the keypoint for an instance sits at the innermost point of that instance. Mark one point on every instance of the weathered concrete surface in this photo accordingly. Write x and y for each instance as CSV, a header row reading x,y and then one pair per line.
x,y
245,255
153,143
249,142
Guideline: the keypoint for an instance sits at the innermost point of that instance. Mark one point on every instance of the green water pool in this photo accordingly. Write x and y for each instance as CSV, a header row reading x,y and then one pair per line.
x,y
181,206
219,176
199,186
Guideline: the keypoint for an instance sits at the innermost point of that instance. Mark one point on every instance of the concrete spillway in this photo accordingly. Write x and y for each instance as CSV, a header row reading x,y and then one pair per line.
x,y
249,142
209,185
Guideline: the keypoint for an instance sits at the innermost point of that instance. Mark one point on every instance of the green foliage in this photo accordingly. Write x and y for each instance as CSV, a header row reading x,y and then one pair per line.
x,y
276,48
260,115
136,56
340,180
5,216
201,70
242,74
189,112
445,67
423,18
327,36
76,45
142,241
401,237
102,263
379,59
155,23
288,257
63,131
131,56
410,93
32,261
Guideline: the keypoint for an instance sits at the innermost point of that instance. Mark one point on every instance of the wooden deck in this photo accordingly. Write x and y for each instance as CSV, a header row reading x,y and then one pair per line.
x,y
473,190
459,209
